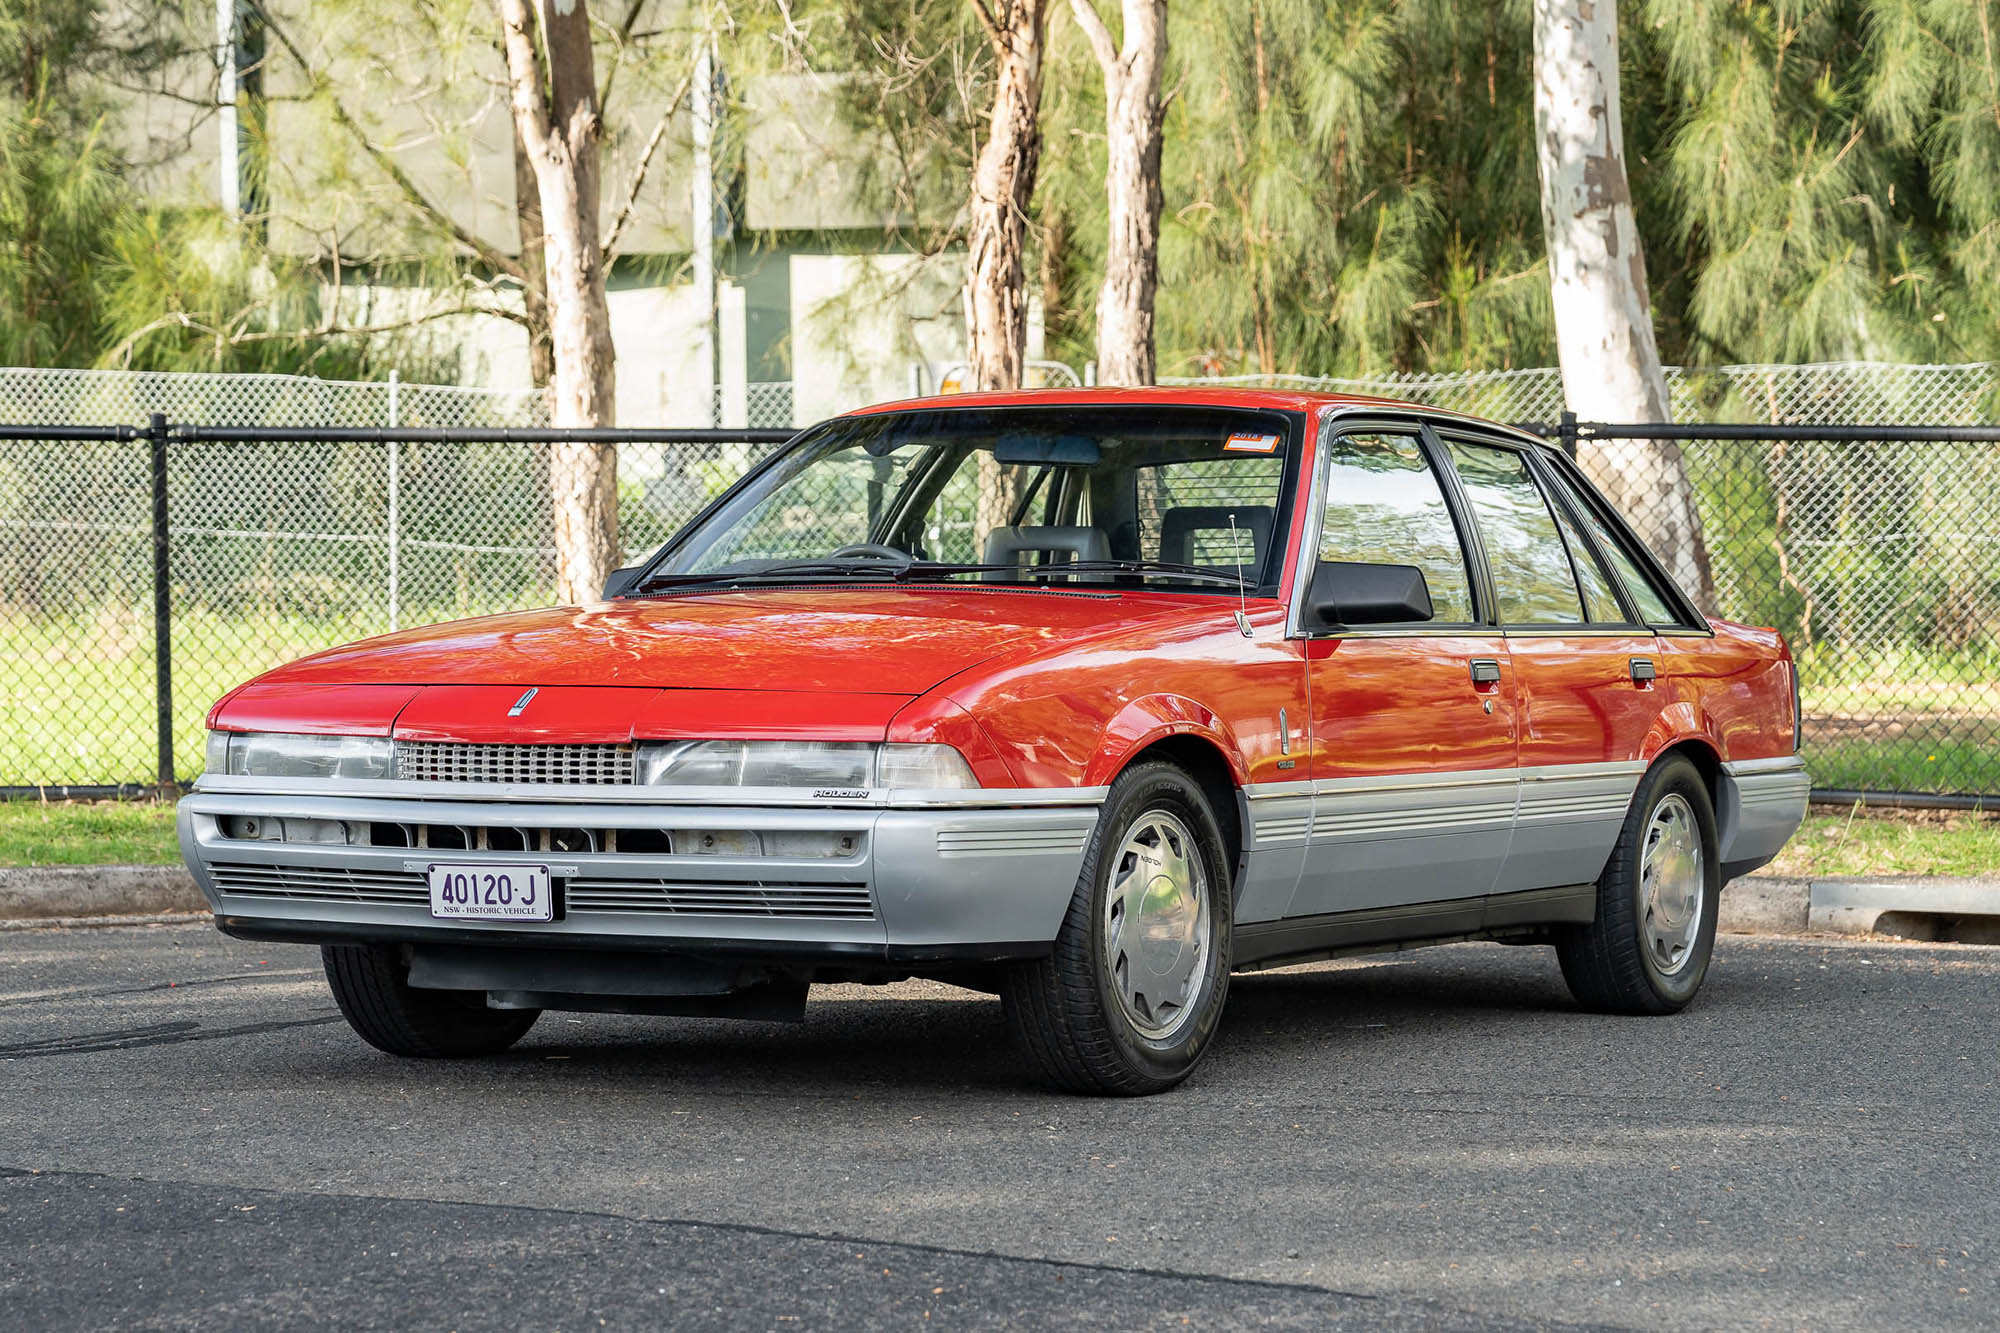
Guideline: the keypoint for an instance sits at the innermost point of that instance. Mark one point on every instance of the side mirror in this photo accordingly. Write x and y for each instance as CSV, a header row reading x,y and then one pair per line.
x,y
1347,593
618,581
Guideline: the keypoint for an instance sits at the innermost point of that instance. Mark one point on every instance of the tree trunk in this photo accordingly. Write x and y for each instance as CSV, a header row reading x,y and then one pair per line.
x,y
1003,185
534,270
1597,271
555,113
1133,117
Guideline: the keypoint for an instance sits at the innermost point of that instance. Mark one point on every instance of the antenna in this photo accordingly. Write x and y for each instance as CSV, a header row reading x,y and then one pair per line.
x,y
1242,599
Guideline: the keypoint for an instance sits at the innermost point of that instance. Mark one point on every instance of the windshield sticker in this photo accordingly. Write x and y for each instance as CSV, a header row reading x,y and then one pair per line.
x,y
1248,442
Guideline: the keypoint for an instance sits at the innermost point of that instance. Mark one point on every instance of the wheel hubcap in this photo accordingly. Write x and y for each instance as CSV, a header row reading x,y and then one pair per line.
x,y
1156,924
1671,884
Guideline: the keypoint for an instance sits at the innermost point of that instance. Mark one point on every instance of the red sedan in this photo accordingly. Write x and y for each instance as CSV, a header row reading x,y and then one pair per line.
x,y
1089,699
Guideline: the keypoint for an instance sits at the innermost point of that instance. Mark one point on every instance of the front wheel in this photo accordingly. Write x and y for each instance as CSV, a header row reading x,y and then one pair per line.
x,y
1648,950
1128,1002
371,984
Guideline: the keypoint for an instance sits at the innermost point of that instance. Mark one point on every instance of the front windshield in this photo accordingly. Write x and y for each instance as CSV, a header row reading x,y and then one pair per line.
x,y
1157,495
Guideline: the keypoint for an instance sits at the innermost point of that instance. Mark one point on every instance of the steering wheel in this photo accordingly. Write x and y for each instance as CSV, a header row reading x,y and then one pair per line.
x,y
871,551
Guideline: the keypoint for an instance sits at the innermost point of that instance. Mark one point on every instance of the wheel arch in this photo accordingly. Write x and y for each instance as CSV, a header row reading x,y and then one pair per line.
x,y
1204,761
1723,804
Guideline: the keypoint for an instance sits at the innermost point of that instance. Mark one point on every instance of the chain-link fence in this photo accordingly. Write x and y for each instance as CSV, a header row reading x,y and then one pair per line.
x,y
1825,393
279,546
1877,552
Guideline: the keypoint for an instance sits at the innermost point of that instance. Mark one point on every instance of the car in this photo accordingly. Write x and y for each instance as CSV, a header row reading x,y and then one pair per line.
x,y
1086,698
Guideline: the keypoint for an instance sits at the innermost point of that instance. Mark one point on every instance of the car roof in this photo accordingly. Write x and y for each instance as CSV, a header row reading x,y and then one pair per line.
x,y
1284,400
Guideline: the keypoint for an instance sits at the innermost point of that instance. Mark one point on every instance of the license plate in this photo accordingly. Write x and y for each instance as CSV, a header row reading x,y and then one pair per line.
x,y
491,893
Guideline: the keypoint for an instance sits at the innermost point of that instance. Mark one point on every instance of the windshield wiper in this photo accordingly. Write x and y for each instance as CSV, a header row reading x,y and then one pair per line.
x,y
889,571
783,571
832,571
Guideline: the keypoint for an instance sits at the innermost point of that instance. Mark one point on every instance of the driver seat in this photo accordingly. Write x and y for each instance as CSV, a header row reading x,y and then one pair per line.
x,y
1006,546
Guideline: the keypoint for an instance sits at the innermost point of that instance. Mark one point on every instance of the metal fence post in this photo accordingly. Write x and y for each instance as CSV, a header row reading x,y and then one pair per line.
x,y
395,503
163,606
1566,433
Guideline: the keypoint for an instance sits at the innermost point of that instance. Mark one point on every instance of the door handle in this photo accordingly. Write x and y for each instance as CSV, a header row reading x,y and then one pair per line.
x,y
1485,671
1643,670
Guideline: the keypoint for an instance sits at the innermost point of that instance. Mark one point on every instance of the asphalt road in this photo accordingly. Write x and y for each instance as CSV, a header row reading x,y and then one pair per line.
x,y
189,1135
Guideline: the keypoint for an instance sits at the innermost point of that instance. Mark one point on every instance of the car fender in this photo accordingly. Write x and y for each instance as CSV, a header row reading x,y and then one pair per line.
x,y
1155,717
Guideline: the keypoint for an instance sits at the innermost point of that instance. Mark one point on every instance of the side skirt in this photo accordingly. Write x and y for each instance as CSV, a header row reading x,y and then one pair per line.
x,y
1383,929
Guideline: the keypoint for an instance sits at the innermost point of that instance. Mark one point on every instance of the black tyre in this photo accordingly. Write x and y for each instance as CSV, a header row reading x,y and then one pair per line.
x,y
1648,950
1130,999
371,984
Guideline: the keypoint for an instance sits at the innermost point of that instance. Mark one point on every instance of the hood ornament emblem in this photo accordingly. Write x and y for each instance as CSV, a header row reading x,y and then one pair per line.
x,y
522,702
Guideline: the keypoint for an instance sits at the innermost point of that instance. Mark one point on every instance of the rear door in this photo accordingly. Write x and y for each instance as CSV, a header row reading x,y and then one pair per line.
x,y
1587,668
1412,738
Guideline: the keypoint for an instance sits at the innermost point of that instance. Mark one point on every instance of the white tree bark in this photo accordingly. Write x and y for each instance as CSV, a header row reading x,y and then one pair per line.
x,y
555,112
1133,116
1597,273
1003,185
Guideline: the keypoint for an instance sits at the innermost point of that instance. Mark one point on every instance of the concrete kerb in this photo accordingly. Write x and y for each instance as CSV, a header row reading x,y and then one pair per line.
x,y
52,895
1925,907
1917,907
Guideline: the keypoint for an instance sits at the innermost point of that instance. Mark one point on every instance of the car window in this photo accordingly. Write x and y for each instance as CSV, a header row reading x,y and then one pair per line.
x,y
1213,512
1599,601
1532,577
1384,505
1019,487
1653,608
840,499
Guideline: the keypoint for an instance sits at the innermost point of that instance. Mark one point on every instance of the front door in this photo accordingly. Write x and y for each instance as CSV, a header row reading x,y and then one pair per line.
x,y
1412,740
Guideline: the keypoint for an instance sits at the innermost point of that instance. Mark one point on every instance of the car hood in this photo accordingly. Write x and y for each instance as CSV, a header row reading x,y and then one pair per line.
x,y
821,640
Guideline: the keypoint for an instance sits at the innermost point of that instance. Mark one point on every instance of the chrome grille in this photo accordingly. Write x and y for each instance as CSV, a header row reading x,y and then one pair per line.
x,y
721,898
850,900
454,761
322,882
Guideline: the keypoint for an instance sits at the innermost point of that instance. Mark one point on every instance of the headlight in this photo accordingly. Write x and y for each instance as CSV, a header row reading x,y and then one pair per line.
x,y
851,764
276,754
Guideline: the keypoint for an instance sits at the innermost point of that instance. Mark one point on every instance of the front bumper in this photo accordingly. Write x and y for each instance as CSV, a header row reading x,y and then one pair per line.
x,y
967,882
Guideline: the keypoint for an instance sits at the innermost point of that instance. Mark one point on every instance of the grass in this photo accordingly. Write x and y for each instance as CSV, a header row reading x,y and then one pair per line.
x,y
78,833
1891,842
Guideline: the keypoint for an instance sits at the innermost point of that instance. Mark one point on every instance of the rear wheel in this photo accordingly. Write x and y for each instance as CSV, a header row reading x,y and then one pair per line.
x,y
371,985
1129,1000
1648,950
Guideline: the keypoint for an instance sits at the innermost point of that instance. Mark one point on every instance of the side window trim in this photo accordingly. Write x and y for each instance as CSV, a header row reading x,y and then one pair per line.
x,y
1329,426
1485,596
1691,620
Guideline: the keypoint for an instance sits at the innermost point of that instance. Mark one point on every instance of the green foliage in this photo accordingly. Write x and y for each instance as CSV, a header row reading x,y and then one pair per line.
x,y
1827,169
60,194
92,271
1351,187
